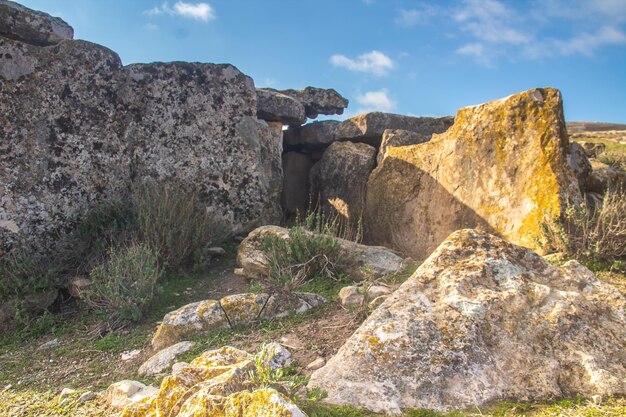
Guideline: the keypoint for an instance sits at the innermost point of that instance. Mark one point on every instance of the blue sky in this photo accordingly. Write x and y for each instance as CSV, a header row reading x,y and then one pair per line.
x,y
402,56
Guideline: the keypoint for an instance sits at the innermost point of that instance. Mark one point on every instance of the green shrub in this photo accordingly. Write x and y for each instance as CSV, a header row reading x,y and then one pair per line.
x,y
21,274
302,257
315,220
596,235
174,223
122,287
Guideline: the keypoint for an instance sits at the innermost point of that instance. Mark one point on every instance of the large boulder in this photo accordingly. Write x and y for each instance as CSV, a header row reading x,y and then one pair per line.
x,y
76,127
483,320
579,164
369,127
339,181
318,101
502,168
377,260
295,193
217,383
399,137
316,135
30,26
277,107
163,359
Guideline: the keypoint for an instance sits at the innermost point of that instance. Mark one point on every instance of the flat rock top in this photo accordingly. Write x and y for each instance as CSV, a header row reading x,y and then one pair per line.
x,y
31,26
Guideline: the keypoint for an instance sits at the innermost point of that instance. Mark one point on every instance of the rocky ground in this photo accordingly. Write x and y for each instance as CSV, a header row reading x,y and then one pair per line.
x,y
33,375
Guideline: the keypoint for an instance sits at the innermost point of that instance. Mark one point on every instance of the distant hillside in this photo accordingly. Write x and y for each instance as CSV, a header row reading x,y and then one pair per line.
x,y
577,127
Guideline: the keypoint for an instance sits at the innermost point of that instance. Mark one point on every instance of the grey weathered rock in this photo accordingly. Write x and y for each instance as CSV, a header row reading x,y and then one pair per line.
x,y
86,396
399,137
31,26
579,164
316,135
283,304
369,127
295,194
51,344
274,106
339,181
377,260
76,127
318,101
604,177
161,360
483,320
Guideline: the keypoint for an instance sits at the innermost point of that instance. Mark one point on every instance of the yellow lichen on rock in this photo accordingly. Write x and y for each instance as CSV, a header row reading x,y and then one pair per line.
x,y
501,168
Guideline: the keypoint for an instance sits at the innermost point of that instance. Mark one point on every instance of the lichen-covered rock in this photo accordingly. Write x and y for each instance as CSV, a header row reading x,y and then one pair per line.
x,y
483,320
277,107
215,384
399,137
243,309
76,128
316,135
31,26
339,181
351,296
502,167
124,393
318,101
376,260
369,127
190,319
295,194
161,360
219,372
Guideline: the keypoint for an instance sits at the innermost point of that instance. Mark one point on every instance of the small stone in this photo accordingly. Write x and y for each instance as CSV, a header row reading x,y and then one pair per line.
x,y
179,366
66,392
377,301
240,272
130,354
123,393
375,291
216,251
86,396
597,399
77,285
316,364
160,361
351,296
54,343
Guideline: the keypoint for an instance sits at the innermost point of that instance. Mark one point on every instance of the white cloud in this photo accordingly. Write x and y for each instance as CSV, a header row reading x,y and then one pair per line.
x,y
479,52
587,43
376,101
414,17
373,62
491,21
197,11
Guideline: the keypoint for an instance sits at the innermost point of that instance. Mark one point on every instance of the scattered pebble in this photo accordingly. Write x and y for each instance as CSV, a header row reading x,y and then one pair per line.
x,y
216,251
130,354
86,396
51,344
316,364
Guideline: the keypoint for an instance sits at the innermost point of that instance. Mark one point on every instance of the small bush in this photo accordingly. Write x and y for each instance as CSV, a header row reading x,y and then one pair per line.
x,y
21,275
174,223
123,286
303,257
338,226
592,234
